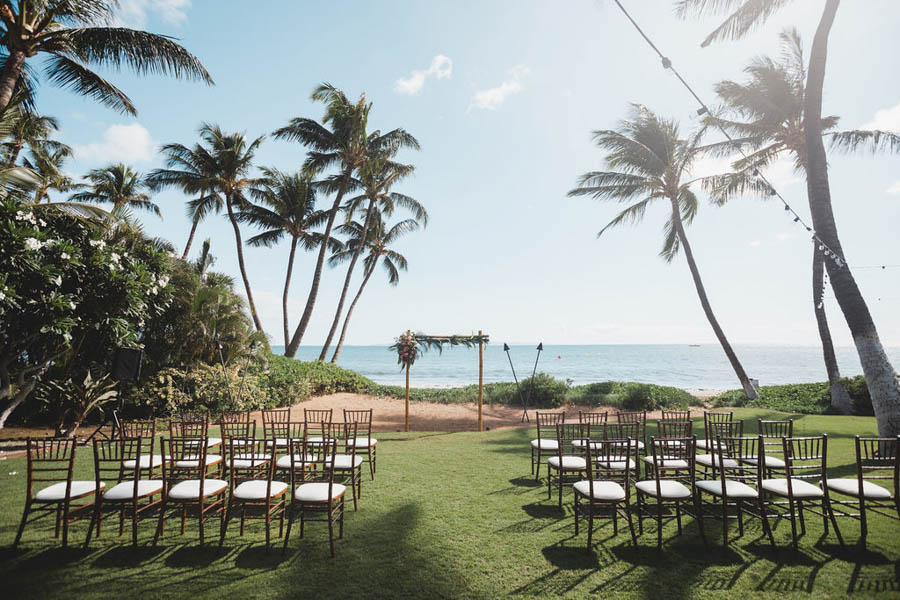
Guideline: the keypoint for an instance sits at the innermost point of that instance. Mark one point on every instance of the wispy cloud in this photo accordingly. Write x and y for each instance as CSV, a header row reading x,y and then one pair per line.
x,y
133,13
755,243
894,190
493,98
441,67
885,119
120,143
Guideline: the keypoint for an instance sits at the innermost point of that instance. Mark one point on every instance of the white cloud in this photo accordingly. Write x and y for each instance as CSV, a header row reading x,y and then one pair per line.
x,y
493,98
441,67
885,119
133,13
755,244
894,190
120,143
783,237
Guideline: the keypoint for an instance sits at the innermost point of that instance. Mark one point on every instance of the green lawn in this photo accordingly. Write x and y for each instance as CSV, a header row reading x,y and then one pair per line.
x,y
457,515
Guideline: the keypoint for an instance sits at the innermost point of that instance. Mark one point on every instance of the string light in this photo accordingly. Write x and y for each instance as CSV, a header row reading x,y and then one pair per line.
x,y
704,109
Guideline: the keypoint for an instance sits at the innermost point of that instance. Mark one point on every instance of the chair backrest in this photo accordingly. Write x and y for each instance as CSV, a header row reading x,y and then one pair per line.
x,y
235,416
363,418
730,454
592,432
546,423
713,416
280,434
50,460
676,415
188,429
275,415
673,458
623,431
594,418
109,460
878,459
313,462
635,416
320,429
193,415
566,433
317,415
345,435
140,428
185,459
247,459
240,429
611,460
726,429
673,429
805,458
772,432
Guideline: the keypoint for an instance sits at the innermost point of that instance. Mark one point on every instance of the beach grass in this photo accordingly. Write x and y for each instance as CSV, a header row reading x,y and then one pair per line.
x,y
458,515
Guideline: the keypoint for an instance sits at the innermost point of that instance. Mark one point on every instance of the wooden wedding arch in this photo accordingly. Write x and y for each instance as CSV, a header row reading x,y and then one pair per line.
x,y
410,346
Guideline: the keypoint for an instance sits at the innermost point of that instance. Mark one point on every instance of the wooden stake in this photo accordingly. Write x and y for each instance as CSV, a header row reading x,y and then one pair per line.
x,y
480,378
407,391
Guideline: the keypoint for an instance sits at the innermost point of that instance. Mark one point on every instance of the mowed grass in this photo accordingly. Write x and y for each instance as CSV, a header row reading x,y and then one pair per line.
x,y
457,515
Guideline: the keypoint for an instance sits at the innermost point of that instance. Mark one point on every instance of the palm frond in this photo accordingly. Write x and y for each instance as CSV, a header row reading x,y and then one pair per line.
x,y
67,73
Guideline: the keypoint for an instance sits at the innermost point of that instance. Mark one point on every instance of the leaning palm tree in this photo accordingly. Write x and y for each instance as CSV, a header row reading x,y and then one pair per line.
x,y
376,240
219,164
31,130
189,169
119,185
75,35
376,178
340,140
765,117
287,206
48,164
881,377
649,162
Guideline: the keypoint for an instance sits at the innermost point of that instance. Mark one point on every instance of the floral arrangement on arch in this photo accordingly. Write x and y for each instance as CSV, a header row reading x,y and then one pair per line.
x,y
407,348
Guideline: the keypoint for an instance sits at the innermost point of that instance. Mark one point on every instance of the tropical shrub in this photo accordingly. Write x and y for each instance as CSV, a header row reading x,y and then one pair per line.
x,y
806,398
201,387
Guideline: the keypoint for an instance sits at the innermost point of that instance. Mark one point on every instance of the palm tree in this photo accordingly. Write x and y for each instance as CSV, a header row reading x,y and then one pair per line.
x,y
767,120
376,240
32,130
650,162
74,35
190,170
287,206
47,164
219,164
375,179
881,377
340,140
119,185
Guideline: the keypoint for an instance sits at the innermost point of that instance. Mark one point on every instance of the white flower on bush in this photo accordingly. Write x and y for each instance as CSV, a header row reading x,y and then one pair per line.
x,y
65,256
33,244
3,294
164,281
23,216
98,244
154,290
58,280
115,257
72,305
42,222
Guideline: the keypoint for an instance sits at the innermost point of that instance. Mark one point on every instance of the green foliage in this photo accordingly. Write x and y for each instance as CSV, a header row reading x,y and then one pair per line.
x,y
71,401
859,393
319,377
806,398
201,387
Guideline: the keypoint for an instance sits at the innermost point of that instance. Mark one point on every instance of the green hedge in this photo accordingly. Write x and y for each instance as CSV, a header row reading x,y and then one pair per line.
x,y
806,398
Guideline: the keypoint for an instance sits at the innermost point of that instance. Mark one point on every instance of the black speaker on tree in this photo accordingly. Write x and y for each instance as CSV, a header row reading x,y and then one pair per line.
x,y
127,364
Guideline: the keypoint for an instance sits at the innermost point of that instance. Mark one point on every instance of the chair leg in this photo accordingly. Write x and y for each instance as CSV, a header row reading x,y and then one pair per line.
x,y
532,460
224,523
58,520
640,500
577,509
87,539
290,522
678,515
767,527
725,521
160,521
65,526
802,520
740,515
331,527
341,529
134,522
549,487
659,525
201,520
793,523
22,524
863,523
559,486
630,525
698,511
826,508
590,508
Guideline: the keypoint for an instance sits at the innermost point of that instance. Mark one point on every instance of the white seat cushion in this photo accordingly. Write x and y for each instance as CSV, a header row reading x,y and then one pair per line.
x,y
735,489
707,444
318,492
285,461
603,490
545,444
57,491
362,442
256,490
712,460
125,490
772,462
569,463
280,442
343,462
667,463
319,440
850,487
190,489
189,461
147,462
615,465
210,442
802,489
239,442
247,461
668,488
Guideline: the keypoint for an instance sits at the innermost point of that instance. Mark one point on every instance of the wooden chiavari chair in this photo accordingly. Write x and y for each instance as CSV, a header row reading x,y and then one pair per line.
x,y
676,415
773,432
639,417
545,443
51,464
347,465
672,485
131,494
709,434
592,424
236,425
725,429
567,466
145,429
364,440
195,434
279,439
275,415
317,415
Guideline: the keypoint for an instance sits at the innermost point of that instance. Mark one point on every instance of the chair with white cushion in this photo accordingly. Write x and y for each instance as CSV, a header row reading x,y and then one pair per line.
x,y
709,462
253,490
639,417
772,433
347,465
672,461
605,493
545,443
709,434
668,430
805,465
134,493
279,437
237,425
732,483
593,430
195,432
877,463
317,493
186,484
51,464
568,465
364,441
150,462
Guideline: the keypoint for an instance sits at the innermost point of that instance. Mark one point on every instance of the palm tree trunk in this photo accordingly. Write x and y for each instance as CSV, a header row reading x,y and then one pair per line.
x,y
240,255
14,156
287,285
340,344
12,70
749,390
881,378
840,399
187,247
353,259
291,349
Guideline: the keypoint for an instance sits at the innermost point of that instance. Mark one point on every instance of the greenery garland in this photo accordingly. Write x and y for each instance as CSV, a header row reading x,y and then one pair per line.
x,y
409,346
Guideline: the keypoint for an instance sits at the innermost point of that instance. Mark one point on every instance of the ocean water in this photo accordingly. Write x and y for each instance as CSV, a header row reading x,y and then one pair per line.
x,y
689,367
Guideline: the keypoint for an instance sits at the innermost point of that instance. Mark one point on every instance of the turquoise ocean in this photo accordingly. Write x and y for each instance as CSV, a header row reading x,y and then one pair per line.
x,y
685,366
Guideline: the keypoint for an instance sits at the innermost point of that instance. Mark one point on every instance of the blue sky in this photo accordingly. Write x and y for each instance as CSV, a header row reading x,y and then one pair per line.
x,y
503,97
